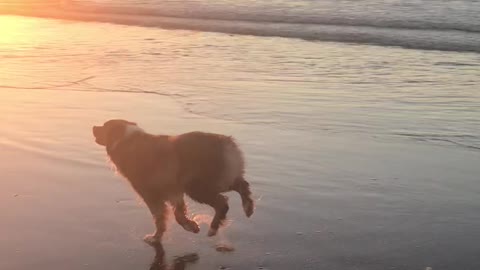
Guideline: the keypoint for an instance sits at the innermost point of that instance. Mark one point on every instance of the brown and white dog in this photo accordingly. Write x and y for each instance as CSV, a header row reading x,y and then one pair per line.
x,y
163,168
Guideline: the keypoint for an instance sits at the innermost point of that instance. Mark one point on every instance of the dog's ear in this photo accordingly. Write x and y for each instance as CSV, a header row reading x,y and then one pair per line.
x,y
114,134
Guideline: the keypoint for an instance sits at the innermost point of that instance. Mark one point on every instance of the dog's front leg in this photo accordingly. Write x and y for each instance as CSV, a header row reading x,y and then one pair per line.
x,y
158,209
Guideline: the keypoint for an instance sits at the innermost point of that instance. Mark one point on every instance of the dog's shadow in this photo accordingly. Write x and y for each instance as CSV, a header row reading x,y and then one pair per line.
x,y
178,263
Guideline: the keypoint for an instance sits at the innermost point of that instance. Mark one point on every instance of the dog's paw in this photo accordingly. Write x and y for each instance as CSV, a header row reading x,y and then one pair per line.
x,y
248,207
212,232
191,226
152,239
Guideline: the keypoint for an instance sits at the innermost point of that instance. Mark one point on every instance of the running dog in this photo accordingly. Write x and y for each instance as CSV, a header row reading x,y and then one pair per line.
x,y
162,168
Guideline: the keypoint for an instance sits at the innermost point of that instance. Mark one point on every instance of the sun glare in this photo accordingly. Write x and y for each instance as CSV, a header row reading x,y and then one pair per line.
x,y
11,29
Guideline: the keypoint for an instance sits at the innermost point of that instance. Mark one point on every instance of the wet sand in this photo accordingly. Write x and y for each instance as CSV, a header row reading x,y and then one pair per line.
x,y
323,202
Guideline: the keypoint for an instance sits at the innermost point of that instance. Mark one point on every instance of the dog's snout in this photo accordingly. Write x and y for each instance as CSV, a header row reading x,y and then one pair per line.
x,y
95,130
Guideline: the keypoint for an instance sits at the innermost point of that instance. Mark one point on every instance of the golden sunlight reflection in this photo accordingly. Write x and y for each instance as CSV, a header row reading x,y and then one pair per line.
x,y
202,219
11,28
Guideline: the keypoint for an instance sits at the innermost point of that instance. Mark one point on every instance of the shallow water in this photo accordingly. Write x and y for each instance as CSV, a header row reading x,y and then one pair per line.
x,y
324,87
361,157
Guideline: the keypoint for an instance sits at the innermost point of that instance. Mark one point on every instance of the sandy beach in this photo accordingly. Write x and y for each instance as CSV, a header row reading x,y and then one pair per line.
x,y
351,166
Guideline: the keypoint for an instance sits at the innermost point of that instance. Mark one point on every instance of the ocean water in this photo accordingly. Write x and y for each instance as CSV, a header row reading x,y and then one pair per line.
x,y
359,120
410,14
418,24
422,24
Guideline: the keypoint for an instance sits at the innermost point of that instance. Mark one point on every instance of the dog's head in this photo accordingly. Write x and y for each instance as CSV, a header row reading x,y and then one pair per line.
x,y
112,131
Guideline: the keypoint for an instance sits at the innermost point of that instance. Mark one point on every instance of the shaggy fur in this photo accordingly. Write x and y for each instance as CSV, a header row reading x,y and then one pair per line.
x,y
161,169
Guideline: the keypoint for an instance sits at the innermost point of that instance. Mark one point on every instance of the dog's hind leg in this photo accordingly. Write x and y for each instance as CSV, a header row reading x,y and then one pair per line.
x,y
180,212
158,210
220,203
243,188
